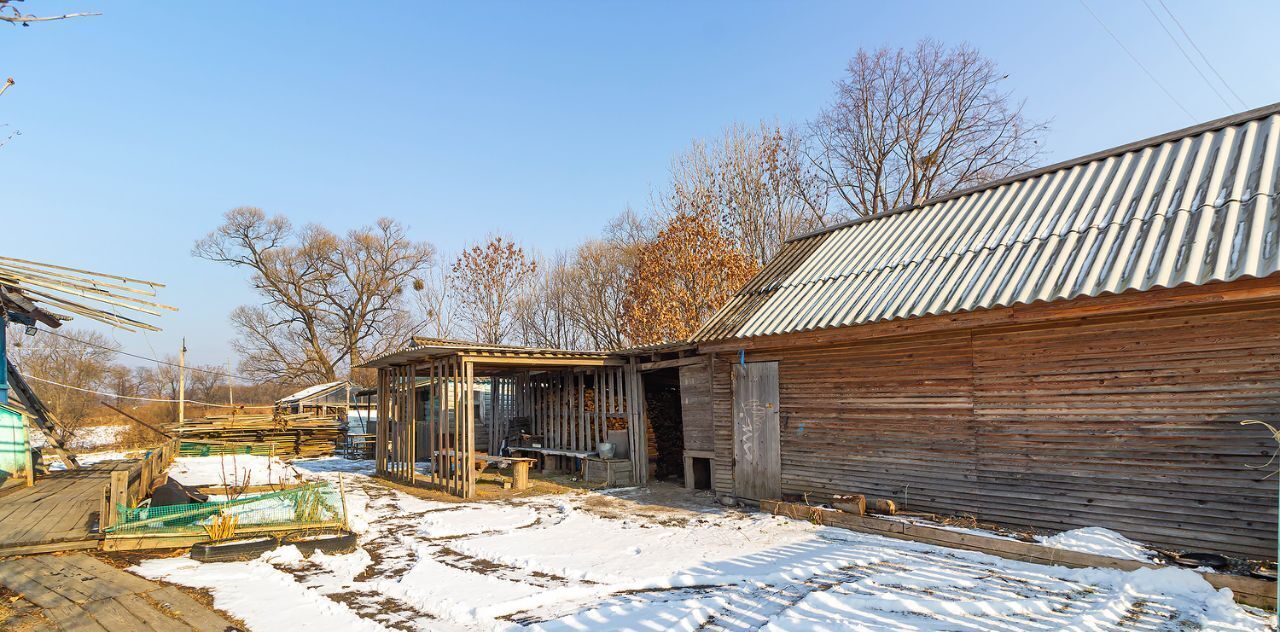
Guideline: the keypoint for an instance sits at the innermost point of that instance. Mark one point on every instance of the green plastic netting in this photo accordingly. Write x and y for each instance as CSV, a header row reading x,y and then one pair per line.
x,y
309,506
192,448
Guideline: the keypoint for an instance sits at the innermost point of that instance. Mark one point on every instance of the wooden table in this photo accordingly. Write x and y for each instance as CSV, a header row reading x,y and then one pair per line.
x,y
519,467
545,452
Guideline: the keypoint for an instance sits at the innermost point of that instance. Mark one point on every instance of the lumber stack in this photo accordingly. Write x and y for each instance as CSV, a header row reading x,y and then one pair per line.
x,y
303,434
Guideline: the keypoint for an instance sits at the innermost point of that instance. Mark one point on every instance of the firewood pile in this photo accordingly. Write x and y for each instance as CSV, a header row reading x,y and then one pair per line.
x,y
299,435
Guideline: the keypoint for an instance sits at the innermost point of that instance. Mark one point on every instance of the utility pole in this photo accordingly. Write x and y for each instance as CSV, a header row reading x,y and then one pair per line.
x,y
231,396
182,382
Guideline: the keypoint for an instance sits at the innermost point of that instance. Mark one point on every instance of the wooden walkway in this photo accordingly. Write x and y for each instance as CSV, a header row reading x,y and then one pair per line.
x,y
58,513
78,592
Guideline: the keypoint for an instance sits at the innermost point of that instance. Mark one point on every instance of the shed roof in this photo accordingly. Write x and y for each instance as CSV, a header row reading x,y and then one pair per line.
x,y
1188,207
312,391
426,348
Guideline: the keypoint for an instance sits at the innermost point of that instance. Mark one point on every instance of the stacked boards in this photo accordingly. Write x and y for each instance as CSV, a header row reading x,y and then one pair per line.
x,y
304,434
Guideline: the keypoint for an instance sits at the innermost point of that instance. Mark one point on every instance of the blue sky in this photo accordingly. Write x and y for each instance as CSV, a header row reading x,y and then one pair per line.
x,y
537,119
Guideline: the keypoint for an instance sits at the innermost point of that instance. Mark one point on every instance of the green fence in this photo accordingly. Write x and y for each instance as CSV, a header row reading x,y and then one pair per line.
x,y
314,505
195,448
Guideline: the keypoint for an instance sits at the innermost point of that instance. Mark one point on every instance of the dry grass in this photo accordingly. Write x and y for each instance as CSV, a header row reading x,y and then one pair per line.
x,y
222,527
18,614
489,487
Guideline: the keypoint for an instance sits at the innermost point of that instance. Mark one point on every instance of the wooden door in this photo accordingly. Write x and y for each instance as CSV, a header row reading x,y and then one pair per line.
x,y
757,460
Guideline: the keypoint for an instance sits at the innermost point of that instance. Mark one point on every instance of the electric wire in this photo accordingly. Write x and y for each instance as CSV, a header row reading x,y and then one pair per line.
x,y
1138,61
1186,55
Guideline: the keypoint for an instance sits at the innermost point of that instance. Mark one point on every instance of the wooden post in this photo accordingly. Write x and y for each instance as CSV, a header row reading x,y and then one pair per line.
x,y
118,495
412,426
470,429
520,475
104,508
380,426
182,382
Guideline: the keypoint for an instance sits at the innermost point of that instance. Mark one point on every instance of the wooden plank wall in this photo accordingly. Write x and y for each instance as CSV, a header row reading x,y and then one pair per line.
x,y
450,420
1127,422
396,428
695,406
502,391
571,409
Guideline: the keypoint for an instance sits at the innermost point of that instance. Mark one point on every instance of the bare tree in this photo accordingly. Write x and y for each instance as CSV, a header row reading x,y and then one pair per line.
x,y
330,301
545,312
435,304
907,126
596,288
81,359
757,181
488,281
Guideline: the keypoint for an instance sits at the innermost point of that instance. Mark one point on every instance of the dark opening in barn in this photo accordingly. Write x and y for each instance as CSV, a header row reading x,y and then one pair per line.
x,y
666,429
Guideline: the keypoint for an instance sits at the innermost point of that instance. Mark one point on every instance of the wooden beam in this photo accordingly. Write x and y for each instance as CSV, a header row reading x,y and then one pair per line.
x,y
483,361
1247,590
668,364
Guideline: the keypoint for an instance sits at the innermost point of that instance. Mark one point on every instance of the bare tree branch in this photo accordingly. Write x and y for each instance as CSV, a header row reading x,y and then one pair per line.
x,y
330,301
10,13
907,126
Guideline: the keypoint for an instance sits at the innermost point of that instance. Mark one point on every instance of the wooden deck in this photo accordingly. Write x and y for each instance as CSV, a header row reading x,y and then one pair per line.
x,y
58,513
81,593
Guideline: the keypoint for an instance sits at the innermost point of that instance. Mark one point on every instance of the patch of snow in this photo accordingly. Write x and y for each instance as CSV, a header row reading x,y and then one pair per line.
x,y
597,562
1099,541
475,519
231,469
264,597
89,458
96,436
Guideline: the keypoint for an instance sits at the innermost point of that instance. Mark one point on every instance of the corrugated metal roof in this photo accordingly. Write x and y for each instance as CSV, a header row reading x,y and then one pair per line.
x,y
1187,207
311,391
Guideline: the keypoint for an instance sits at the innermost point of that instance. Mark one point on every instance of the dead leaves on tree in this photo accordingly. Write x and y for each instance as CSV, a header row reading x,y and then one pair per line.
x,y
686,273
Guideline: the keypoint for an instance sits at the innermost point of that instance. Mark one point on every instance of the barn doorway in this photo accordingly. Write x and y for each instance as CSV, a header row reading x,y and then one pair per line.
x,y
665,427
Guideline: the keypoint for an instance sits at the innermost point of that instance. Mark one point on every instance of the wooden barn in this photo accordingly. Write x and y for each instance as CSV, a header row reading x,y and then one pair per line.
x,y
1073,346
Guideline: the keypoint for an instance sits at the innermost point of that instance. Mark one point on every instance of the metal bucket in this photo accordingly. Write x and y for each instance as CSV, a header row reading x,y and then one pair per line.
x,y
605,449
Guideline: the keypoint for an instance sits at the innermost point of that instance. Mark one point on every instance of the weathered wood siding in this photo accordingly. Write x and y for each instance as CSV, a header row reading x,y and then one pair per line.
x,y
1128,422
695,406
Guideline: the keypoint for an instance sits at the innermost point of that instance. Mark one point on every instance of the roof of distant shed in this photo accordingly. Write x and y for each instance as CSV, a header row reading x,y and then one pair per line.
x,y
1189,207
312,391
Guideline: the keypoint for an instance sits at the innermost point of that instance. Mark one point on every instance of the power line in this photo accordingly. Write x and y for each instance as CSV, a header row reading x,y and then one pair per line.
x,y
1202,55
1186,55
141,399
139,357
1138,62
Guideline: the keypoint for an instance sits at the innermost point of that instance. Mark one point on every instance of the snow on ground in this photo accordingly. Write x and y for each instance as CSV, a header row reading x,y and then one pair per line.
x,y
96,436
231,469
89,458
1099,541
1095,540
619,561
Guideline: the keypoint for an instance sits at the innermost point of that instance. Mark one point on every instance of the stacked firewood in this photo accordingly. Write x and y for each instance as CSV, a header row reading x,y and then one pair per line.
x,y
300,435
